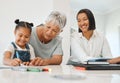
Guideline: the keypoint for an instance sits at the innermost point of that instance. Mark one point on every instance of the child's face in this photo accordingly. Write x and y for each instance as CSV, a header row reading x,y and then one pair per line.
x,y
22,36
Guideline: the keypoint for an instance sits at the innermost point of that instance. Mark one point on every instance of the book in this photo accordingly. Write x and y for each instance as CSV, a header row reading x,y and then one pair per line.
x,y
97,61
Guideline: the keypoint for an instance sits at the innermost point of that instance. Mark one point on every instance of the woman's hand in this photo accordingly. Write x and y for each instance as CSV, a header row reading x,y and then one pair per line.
x,y
114,60
38,62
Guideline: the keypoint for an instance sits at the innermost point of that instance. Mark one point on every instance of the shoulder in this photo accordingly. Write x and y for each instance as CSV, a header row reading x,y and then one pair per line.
x,y
40,28
36,30
10,47
99,34
30,46
59,38
76,36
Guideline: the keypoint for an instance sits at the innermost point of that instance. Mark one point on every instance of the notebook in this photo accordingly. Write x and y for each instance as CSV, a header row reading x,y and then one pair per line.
x,y
97,61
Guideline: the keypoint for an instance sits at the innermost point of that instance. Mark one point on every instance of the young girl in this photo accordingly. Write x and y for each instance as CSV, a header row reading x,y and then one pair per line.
x,y
20,52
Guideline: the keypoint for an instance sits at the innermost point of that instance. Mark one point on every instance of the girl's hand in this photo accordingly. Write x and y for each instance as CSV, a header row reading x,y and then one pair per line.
x,y
15,62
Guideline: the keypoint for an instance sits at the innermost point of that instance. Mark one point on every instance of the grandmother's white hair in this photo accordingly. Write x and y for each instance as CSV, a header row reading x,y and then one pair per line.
x,y
57,18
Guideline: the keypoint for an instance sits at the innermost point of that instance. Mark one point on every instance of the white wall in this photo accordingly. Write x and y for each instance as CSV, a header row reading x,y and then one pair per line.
x,y
64,6
73,20
34,11
100,22
112,31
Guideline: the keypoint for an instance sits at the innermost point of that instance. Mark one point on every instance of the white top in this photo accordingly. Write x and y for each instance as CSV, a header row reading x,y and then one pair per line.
x,y
54,47
12,50
83,49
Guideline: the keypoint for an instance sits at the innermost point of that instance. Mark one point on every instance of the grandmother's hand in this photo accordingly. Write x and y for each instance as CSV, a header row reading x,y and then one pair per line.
x,y
38,62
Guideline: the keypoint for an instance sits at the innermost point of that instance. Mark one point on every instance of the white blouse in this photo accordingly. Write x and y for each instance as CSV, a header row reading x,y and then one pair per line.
x,y
83,49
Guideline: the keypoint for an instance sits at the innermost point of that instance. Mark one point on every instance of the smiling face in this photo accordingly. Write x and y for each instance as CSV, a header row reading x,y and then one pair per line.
x,y
22,36
50,31
83,22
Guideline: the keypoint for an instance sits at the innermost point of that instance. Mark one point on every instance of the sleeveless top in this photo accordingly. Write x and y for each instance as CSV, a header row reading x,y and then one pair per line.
x,y
24,56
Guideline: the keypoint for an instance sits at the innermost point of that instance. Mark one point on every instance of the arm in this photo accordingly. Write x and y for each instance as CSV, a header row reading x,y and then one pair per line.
x,y
55,59
106,52
114,60
8,61
77,52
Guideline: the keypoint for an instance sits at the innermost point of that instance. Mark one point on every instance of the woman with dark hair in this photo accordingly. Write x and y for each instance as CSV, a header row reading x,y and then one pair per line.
x,y
87,43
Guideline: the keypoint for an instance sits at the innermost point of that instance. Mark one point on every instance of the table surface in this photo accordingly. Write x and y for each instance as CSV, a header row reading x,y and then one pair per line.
x,y
60,74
